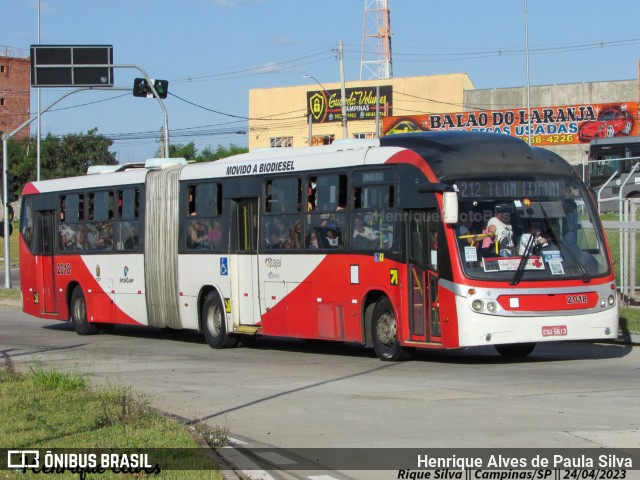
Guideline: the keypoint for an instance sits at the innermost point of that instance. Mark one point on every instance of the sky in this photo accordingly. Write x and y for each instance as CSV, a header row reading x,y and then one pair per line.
x,y
213,52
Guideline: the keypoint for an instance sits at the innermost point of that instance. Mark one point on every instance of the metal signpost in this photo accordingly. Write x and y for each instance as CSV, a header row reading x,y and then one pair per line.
x,y
68,66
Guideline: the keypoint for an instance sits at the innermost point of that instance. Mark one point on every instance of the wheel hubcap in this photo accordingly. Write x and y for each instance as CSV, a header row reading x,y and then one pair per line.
x,y
78,310
214,320
386,329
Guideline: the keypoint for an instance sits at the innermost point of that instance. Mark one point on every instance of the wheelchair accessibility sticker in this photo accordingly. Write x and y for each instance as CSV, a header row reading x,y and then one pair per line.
x,y
224,266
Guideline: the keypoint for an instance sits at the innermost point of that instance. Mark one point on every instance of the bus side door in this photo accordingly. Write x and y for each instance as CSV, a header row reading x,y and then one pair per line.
x,y
46,270
243,263
424,318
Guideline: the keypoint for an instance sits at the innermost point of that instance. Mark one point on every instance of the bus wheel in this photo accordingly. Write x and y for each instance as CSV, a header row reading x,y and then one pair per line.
x,y
79,314
213,324
514,350
384,329
106,327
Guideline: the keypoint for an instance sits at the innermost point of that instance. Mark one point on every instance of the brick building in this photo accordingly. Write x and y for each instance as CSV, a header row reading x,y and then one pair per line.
x,y
15,89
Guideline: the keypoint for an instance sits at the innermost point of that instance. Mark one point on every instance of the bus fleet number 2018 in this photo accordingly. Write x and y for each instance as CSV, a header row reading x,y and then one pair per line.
x,y
576,299
64,269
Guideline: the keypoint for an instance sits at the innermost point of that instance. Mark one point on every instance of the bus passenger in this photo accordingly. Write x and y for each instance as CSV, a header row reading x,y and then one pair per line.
x,y
363,236
196,235
80,239
66,238
215,235
296,235
501,231
313,241
130,236
332,235
277,233
531,243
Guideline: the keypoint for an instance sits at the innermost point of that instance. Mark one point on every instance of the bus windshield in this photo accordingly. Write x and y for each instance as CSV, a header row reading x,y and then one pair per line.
x,y
528,229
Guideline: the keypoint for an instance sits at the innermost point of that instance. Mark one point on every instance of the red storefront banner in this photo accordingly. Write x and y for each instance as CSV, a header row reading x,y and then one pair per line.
x,y
561,125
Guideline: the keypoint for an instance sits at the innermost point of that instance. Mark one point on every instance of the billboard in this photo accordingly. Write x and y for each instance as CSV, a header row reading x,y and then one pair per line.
x,y
325,106
558,125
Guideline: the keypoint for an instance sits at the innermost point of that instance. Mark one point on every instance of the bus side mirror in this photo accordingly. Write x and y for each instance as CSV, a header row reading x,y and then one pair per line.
x,y
450,207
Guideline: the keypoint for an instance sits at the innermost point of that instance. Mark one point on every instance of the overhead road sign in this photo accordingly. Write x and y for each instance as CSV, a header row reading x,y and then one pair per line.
x,y
71,66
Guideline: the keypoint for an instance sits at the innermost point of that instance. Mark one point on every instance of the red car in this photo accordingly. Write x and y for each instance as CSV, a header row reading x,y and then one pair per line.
x,y
610,123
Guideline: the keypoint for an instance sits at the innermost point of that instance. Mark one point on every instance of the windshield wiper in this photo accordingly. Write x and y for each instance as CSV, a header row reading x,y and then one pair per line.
x,y
523,261
586,278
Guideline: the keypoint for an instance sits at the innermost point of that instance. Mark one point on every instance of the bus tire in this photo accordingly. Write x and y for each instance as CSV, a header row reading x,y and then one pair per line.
x,y
78,310
515,350
384,332
213,323
106,327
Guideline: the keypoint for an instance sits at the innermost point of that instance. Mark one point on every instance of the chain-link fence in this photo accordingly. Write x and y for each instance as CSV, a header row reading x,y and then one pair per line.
x,y
624,237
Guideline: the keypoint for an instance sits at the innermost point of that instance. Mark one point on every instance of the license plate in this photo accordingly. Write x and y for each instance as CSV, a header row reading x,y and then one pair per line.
x,y
554,331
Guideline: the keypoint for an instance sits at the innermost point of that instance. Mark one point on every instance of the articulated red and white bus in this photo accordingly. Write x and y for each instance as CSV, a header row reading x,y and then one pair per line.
x,y
425,240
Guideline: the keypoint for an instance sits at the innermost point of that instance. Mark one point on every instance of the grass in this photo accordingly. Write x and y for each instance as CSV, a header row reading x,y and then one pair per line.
x,y
630,320
10,294
13,245
49,409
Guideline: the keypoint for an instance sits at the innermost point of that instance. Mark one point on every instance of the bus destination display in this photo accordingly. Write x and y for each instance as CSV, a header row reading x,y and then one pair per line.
x,y
510,188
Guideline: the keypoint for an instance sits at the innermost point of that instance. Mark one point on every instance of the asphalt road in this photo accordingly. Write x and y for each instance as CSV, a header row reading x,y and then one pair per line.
x,y
297,394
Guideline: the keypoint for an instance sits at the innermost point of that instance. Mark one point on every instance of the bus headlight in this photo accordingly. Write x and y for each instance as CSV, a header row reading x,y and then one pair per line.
x,y
492,307
611,300
602,302
477,305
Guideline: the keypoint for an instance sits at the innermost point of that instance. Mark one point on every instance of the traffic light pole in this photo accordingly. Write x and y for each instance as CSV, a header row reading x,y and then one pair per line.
x,y
7,136
141,70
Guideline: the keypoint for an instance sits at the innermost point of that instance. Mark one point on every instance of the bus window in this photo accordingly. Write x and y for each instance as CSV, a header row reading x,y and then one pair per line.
x,y
26,222
127,225
372,226
204,207
206,200
283,195
70,228
330,192
99,233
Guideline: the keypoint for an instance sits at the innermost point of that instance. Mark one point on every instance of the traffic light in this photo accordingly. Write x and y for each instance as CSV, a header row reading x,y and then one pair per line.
x,y
12,188
2,229
141,88
162,87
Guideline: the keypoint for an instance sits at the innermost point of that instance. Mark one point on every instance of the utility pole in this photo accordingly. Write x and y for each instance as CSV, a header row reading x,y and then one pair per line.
x,y
343,93
39,124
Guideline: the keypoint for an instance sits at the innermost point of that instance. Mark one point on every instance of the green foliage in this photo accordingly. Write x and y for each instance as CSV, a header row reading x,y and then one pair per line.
x,y
55,379
190,153
187,151
53,409
67,156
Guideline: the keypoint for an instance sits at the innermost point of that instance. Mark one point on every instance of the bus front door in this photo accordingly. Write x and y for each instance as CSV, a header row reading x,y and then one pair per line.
x,y
46,270
424,318
243,265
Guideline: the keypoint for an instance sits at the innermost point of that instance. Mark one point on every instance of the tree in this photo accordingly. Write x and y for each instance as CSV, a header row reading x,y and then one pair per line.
x,y
208,155
66,156
190,153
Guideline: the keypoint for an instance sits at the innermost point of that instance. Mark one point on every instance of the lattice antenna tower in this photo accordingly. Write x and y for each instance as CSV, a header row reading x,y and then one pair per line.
x,y
376,41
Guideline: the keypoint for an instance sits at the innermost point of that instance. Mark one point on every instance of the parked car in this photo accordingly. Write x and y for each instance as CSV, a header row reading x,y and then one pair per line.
x,y
610,122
